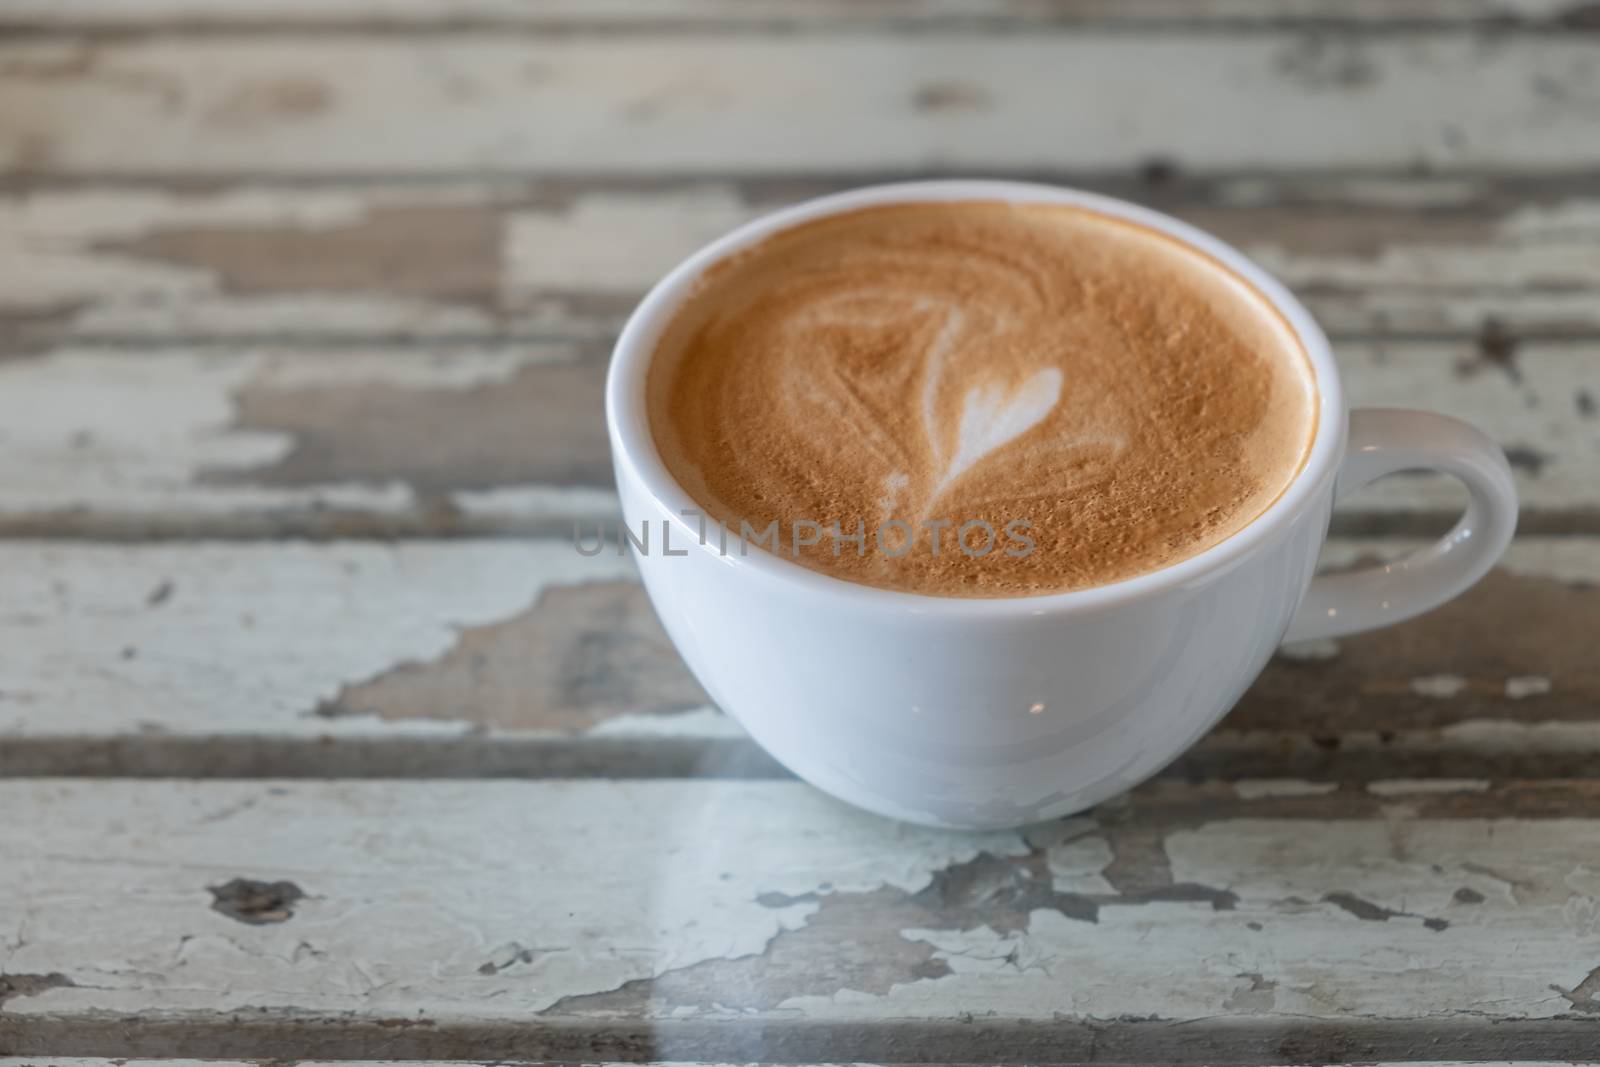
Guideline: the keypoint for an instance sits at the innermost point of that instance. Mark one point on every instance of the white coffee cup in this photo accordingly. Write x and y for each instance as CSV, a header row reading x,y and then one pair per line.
x,y
998,712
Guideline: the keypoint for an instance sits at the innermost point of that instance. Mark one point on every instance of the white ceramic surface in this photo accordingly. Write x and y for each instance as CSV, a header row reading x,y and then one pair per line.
x,y
990,713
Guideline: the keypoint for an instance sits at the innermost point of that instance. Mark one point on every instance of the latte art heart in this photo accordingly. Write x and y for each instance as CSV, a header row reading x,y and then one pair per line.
x,y
991,419
972,366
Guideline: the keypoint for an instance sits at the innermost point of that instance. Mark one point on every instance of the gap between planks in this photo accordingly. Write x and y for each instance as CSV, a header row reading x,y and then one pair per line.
x,y
259,1037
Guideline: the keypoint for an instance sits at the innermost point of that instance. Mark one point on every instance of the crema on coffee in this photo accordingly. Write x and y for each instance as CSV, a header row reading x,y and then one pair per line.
x,y
980,399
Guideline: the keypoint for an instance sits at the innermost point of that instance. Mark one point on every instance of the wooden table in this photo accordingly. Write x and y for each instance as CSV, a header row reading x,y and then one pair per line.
x,y
319,741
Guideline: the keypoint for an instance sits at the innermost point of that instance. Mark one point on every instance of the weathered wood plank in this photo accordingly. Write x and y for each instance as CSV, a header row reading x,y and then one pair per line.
x,y
239,441
502,659
552,258
470,102
747,920
773,14
339,441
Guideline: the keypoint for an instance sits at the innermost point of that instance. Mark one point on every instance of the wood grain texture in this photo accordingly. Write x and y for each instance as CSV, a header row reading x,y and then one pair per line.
x,y
775,14
329,441
478,659
494,260
472,102
1185,924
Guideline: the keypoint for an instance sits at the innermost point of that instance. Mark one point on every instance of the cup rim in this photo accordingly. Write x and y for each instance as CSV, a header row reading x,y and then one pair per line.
x,y
634,450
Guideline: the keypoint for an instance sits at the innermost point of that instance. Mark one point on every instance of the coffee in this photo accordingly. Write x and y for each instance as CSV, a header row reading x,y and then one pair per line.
x,y
980,399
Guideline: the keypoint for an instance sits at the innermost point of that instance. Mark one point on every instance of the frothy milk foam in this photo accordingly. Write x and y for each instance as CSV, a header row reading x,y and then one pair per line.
x,y
1100,398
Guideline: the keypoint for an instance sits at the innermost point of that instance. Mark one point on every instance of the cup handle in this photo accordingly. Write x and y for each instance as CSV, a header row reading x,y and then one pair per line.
x,y
1383,441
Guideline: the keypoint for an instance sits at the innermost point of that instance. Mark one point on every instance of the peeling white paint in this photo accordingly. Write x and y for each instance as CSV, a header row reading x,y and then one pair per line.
x,y
1259,788
178,314
1442,686
116,433
226,652
1528,685
1554,244
411,888
438,368
1409,192
82,427
54,252
47,240
1076,865
552,502
87,429
703,724
616,242
1493,735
